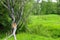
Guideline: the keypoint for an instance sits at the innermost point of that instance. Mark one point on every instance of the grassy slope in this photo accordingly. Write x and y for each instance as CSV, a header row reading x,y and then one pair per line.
x,y
45,20
25,36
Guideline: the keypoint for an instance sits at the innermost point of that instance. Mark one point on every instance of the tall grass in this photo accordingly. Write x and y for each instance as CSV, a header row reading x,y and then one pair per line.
x,y
45,25
42,27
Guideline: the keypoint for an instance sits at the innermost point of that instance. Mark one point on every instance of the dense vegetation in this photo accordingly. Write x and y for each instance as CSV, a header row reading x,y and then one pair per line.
x,y
45,25
40,21
42,27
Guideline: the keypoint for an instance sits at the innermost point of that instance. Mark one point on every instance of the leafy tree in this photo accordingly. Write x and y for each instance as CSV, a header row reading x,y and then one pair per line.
x,y
48,7
58,6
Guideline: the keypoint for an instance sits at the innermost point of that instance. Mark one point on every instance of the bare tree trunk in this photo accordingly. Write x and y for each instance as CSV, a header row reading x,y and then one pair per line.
x,y
14,33
14,27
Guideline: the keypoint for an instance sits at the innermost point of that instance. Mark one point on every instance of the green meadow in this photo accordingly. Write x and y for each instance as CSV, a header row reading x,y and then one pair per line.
x,y
42,27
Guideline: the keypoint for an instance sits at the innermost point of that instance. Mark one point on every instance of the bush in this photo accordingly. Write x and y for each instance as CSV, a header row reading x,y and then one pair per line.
x,y
45,25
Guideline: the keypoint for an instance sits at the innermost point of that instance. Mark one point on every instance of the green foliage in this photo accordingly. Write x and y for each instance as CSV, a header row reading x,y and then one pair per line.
x,y
4,19
45,25
58,6
48,7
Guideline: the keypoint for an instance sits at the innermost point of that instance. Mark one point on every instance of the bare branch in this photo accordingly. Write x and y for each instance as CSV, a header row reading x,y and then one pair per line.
x,y
21,12
21,8
13,17
9,6
13,3
24,18
23,4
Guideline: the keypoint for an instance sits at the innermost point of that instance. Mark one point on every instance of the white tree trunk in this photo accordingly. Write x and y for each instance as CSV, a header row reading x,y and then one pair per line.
x,y
14,31
13,34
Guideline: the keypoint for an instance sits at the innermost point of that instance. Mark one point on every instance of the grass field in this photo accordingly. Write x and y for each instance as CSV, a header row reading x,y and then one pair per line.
x,y
25,36
42,27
